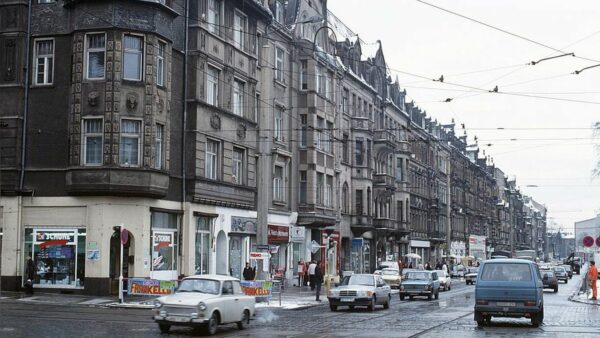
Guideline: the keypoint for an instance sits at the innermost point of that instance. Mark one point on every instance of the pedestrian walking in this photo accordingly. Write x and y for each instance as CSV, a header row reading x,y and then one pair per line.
x,y
301,268
593,277
410,266
428,267
318,280
312,267
30,275
249,272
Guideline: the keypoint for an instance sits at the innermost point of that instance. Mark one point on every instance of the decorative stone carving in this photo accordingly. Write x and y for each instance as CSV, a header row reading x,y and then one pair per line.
x,y
93,99
241,131
132,101
215,122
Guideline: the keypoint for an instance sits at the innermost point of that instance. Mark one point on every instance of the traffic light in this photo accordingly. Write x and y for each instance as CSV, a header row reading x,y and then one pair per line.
x,y
117,231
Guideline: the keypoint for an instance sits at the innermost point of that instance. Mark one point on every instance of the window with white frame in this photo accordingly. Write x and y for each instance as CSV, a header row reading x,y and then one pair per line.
x,y
133,47
279,64
329,191
158,146
319,132
278,192
160,63
279,11
44,61
212,86
237,169
212,159
320,186
214,15
95,55
238,97
303,131
131,133
329,85
278,124
329,138
303,75
320,80
239,30
92,141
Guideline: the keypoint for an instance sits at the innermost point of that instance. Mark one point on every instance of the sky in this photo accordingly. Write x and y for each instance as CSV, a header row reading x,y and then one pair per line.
x,y
547,112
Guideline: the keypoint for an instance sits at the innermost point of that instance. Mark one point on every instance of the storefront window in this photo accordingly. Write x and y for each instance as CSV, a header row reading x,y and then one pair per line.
x,y
203,225
58,256
164,241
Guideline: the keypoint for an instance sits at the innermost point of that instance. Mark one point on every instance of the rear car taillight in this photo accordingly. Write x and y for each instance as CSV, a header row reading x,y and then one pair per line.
x,y
531,303
482,302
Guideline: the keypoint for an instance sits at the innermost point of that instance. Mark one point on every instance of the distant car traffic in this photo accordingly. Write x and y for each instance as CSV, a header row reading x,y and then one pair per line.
x,y
549,280
392,277
205,301
471,275
420,283
561,274
445,280
360,290
569,270
509,288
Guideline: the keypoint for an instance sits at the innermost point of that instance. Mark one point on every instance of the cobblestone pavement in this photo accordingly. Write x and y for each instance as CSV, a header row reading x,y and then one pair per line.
x,y
449,316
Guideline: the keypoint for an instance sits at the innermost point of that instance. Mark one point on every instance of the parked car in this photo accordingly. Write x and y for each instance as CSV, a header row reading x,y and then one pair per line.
x,y
420,283
392,277
471,275
205,301
445,280
569,270
509,288
561,274
549,280
388,264
360,290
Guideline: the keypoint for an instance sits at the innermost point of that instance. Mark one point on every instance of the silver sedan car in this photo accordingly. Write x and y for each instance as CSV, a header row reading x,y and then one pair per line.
x,y
360,290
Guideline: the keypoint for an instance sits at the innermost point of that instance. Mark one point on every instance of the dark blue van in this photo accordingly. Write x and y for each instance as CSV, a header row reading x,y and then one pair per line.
x,y
509,288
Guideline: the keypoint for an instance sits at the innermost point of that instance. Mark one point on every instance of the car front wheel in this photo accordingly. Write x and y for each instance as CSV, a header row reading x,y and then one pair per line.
x,y
556,289
164,328
371,307
437,295
387,303
401,297
333,307
211,326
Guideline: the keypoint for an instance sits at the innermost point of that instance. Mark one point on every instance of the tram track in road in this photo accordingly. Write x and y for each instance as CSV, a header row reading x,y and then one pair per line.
x,y
439,325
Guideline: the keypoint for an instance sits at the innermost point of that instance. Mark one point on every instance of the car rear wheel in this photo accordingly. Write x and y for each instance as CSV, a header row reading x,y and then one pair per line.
x,y
333,307
211,326
479,319
164,328
245,320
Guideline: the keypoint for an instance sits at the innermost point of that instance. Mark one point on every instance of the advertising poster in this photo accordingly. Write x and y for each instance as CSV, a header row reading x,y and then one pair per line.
x,y
257,288
151,287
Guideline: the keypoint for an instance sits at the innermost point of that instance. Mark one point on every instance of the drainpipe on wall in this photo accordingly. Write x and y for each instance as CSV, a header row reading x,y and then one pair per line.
x,y
185,93
26,97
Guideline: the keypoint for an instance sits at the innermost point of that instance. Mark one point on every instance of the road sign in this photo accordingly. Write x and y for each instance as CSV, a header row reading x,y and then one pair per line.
x,y
588,241
314,246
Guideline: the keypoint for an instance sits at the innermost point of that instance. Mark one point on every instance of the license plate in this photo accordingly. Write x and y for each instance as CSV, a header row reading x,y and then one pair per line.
x,y
347,299
178,319
506,304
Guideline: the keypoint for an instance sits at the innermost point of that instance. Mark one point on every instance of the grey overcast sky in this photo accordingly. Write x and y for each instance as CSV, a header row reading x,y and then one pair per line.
x,y
547,143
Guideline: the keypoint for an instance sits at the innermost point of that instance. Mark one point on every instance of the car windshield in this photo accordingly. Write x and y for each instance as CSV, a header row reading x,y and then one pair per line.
x,y
389,272
506,272
358,280
414,275
200,285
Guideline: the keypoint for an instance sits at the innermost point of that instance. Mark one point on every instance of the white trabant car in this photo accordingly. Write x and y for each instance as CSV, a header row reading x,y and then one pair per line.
x,y
205,301
445,280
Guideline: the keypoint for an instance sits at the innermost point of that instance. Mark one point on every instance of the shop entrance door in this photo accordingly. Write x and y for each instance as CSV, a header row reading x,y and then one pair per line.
x,y
235,256
115,261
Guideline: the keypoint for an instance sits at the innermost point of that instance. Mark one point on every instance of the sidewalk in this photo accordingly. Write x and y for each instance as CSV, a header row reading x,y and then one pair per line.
x,y
583,293
295,298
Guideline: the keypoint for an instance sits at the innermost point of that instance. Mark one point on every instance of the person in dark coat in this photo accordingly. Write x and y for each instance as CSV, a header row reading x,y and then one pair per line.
x,y
318,278
30,275
428,267
249,272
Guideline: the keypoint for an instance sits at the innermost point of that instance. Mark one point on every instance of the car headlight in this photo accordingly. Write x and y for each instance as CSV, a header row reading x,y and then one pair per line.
x,y
428,287
201,306
333,293
364,293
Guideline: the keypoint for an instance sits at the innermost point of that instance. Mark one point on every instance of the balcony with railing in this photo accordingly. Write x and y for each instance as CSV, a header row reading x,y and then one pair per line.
x,y
384,180
384,138
385,223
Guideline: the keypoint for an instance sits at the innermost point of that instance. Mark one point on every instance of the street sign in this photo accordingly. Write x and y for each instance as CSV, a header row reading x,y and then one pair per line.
x,y
262,247
314,246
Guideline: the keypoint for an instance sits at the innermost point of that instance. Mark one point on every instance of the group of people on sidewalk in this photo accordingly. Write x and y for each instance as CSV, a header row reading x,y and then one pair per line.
x,y
310,273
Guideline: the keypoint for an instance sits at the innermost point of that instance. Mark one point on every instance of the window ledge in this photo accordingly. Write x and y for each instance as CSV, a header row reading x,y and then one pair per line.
x,y
278,82
280,203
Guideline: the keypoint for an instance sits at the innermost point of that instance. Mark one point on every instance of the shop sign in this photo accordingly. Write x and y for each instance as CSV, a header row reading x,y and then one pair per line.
x,y
151,287
357,241
243,225
54,237
278,233
259,255
298,234
161,240
419,244
257,288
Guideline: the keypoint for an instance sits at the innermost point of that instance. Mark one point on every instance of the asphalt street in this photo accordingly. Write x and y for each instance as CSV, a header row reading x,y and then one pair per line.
x,y
451,315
